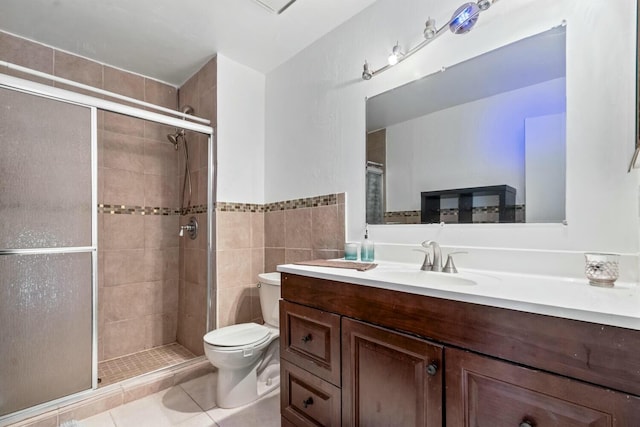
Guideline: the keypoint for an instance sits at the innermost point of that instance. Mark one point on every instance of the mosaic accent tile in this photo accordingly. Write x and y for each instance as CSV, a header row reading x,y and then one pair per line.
x,y
309,202
198,209
397,214
147,210
239,207
132,365
481,215
136,210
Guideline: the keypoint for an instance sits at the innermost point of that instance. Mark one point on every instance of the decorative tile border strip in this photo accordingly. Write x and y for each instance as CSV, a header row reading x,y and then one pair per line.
x,y
309,202
481,215
146,210
452,211
239,207
191,210
136,210
403,214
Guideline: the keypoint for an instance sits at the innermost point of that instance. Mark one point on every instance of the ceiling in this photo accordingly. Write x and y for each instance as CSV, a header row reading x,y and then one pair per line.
x,y
170,40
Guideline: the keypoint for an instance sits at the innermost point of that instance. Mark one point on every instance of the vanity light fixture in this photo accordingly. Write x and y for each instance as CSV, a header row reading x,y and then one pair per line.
x,y
461,22
275,6
464,18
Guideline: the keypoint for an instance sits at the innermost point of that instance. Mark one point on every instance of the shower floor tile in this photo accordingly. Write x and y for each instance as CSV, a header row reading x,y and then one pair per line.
x,y
132,365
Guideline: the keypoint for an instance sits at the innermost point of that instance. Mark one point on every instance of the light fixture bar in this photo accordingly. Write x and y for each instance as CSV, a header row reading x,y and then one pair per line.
x,y
275,6
462,21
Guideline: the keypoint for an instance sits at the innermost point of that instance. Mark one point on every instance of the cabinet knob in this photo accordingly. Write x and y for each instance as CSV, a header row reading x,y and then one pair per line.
x,y
308,401
526,423
306,338
432,369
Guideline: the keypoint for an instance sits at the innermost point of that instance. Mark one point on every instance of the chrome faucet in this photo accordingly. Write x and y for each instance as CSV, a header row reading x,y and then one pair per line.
x,y
437,255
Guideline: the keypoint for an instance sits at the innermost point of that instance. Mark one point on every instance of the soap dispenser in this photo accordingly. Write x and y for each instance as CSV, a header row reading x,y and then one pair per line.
x,y
366,248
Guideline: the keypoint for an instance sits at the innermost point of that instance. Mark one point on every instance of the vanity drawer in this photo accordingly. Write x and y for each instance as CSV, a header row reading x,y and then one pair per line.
x,y
486,392
306,400
310,338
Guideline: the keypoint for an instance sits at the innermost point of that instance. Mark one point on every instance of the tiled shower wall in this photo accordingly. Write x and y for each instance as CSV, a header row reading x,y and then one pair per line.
x,y
199,92
139,252
138,195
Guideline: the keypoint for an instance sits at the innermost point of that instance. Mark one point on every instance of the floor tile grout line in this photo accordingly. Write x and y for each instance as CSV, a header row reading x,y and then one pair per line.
x,y
194,400
113,420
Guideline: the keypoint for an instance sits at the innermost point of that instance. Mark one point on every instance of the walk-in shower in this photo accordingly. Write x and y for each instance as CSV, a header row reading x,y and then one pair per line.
x,y
74,311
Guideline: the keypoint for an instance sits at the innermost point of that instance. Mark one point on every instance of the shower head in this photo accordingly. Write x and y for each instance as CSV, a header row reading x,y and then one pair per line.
x,y
174,138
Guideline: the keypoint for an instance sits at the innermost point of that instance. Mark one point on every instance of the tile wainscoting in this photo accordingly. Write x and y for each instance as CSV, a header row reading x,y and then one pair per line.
x,y
254,238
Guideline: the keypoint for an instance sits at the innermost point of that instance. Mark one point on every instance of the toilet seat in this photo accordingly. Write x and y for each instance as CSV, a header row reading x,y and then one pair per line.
x,y
238,336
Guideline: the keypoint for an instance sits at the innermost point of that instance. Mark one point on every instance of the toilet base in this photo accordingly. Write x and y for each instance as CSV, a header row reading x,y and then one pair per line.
x,y
269,380
240,387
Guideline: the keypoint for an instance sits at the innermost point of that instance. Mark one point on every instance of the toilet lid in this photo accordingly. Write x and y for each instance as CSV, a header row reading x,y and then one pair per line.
x,y
237,335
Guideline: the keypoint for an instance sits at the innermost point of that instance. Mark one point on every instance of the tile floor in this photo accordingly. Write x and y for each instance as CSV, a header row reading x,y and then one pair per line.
x,y
132,365
190,404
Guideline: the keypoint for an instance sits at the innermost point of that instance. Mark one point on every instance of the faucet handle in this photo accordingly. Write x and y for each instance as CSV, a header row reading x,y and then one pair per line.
x,y
426,264
450,267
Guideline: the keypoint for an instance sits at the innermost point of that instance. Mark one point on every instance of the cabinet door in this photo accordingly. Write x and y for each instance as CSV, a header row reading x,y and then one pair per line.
x,y
388,378
484,392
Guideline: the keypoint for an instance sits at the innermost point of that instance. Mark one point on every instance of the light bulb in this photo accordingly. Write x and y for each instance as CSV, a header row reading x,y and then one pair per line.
x,y
366,72
395,56
430,30
484,4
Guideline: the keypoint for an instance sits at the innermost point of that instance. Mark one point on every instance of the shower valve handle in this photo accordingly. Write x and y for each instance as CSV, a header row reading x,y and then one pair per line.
x,y
191,228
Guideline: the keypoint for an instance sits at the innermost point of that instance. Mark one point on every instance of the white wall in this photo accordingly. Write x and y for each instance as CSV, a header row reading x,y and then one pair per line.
x,y
315,129
240,133
546,160
483,138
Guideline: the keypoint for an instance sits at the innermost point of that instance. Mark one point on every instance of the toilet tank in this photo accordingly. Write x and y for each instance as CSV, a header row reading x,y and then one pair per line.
x,y
269,289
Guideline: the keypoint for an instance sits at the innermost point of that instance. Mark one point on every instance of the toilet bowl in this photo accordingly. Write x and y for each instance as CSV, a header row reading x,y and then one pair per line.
x,y
247,355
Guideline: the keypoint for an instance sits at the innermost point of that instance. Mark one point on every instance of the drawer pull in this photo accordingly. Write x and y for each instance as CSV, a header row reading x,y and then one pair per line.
x,y
432,369
305,339
308,401
526,423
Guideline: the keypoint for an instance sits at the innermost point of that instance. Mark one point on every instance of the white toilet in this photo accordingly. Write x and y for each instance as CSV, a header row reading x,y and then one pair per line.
x,y
247,355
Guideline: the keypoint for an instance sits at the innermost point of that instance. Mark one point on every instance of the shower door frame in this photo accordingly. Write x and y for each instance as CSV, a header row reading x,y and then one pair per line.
x,y
92,249
93,103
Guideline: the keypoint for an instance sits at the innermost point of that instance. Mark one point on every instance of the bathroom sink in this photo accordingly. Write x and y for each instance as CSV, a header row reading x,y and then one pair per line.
x,y
419,278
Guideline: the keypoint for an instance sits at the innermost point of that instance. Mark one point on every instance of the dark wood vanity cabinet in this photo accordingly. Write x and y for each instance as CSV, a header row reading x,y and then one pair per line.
x,y
359,356
389,379
484,392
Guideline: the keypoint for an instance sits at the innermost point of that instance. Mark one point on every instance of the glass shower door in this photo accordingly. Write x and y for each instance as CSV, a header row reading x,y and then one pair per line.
x,y
47,249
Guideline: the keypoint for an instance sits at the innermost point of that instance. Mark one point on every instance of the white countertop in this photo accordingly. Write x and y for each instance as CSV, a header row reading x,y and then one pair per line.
x,y
554,296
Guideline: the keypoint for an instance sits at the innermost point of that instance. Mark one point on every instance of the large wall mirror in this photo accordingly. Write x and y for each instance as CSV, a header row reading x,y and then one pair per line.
x,y
480,142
